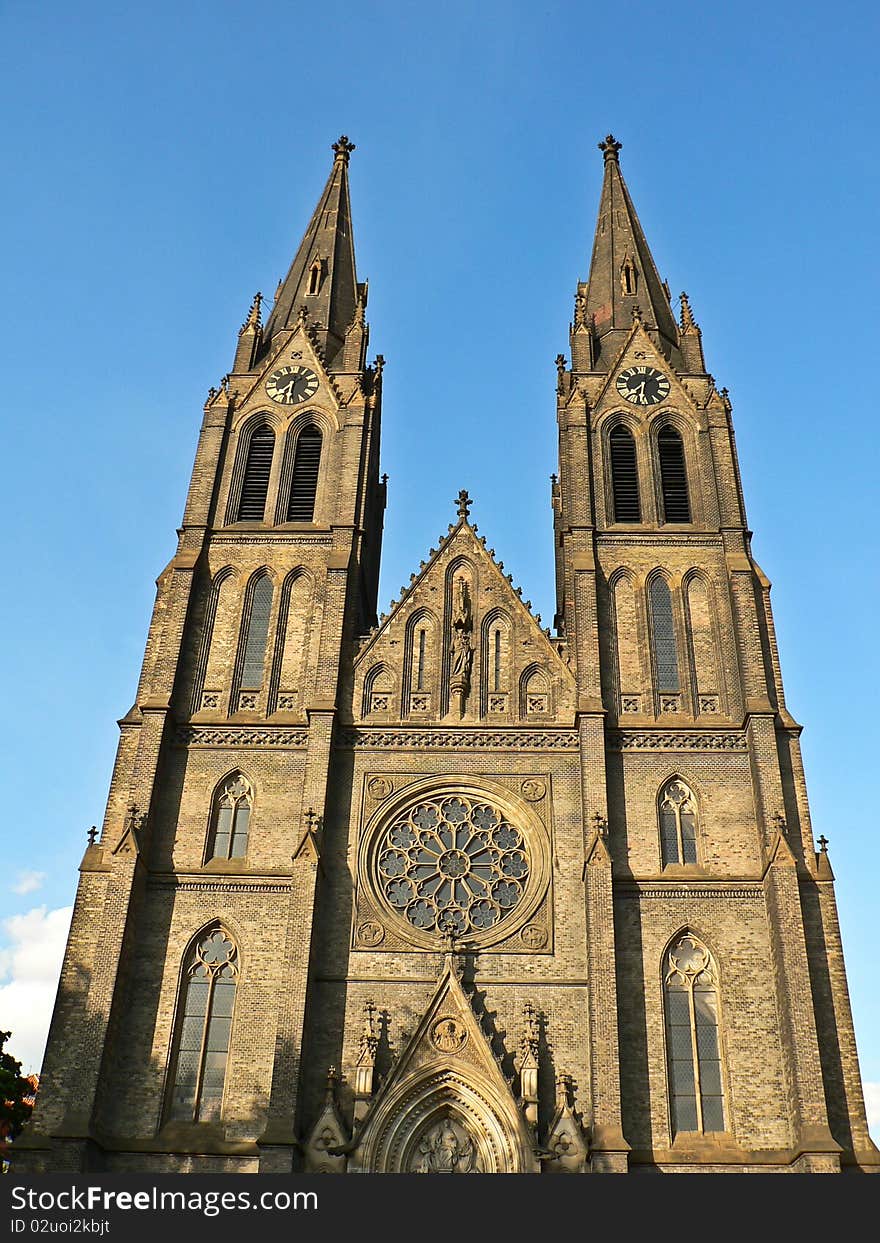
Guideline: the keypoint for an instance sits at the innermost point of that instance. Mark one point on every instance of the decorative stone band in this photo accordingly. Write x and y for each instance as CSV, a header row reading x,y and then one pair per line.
x,y
692,893
239,736
221,884
664,740
461,739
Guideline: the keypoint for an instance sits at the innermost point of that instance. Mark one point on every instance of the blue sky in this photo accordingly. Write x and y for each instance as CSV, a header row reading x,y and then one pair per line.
x,y
161,163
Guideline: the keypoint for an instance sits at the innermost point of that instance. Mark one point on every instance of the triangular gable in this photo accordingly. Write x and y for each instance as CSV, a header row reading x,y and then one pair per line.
x,y
387,653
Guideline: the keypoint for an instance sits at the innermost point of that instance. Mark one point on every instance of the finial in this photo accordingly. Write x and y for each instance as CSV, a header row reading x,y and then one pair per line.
x,y
131,818
464,504
380,363
278,288
601,824
609,148
343,148
637,314
92,835
687,315
823,844
310,819
253,317
332,1080
302,314
779,823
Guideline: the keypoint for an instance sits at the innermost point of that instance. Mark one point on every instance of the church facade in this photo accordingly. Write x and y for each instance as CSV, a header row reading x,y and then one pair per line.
x,y
448,891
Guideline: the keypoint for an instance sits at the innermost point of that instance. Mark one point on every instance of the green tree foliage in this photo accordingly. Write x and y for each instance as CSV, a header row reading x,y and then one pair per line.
x,y
16,1099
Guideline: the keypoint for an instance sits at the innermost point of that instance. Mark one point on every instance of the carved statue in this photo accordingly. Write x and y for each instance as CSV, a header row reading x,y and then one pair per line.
x,y
445,1149
462,651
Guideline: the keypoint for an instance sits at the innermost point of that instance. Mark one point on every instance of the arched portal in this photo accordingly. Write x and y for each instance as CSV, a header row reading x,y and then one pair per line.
x,y
442,1122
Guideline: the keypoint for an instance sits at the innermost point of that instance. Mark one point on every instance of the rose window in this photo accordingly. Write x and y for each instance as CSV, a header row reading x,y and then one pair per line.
x,y
453,865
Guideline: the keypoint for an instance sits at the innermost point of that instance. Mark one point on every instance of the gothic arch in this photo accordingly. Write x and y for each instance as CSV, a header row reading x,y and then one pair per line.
x,y
535,691
293,635
664,631
496,661
241,803
254,633
481,1115
686,429
380,679
326,426
420,661
679,821
214,954
627,647
459,567
214,665
706,666
691,982
244,434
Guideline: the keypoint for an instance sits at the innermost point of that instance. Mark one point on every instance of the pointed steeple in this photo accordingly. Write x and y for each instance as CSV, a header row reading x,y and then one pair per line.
x,y
322,277
623,276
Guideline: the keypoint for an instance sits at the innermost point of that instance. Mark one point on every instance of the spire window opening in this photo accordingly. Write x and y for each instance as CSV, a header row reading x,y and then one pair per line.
x,y
624,476
258,467
673,476
629,278
304,485
316,271
253,664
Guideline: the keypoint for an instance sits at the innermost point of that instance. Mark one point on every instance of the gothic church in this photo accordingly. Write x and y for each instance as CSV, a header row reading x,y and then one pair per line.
x,y
445,891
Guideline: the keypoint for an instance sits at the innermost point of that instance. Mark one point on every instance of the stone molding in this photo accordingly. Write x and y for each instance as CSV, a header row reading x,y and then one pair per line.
x,y
461,739
661,740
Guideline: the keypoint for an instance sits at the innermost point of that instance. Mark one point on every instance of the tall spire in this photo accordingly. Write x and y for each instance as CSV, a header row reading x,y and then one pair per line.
x,y
623,276
322,277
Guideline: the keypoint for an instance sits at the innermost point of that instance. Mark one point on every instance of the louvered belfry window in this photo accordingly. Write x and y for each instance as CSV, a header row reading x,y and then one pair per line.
x,y
304,485
663,635
673,477
624,476
255,484
257,633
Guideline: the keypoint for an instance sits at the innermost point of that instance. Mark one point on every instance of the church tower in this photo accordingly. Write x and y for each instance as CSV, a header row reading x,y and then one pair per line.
x,y
443,892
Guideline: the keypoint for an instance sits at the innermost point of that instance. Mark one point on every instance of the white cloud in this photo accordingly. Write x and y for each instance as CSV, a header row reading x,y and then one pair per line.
x,y
872,1106
31,959
28,882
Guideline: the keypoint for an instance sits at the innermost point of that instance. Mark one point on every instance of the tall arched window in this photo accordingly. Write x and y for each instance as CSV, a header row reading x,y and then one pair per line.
x,y
254,661
693,1049
304,484
624,476
678,823
207,999
673,476
663,635
230,816
255,485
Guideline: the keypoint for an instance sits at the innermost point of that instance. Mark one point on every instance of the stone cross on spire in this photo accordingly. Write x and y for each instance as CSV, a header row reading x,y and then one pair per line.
x,y
609,146
343,148
464,503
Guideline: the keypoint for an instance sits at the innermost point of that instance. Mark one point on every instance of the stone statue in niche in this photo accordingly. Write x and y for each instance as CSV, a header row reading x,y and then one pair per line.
x,y
462,647
445,1148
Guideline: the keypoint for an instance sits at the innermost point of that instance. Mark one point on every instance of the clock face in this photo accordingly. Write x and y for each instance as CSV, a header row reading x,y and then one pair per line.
x,y
643,386
291,385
